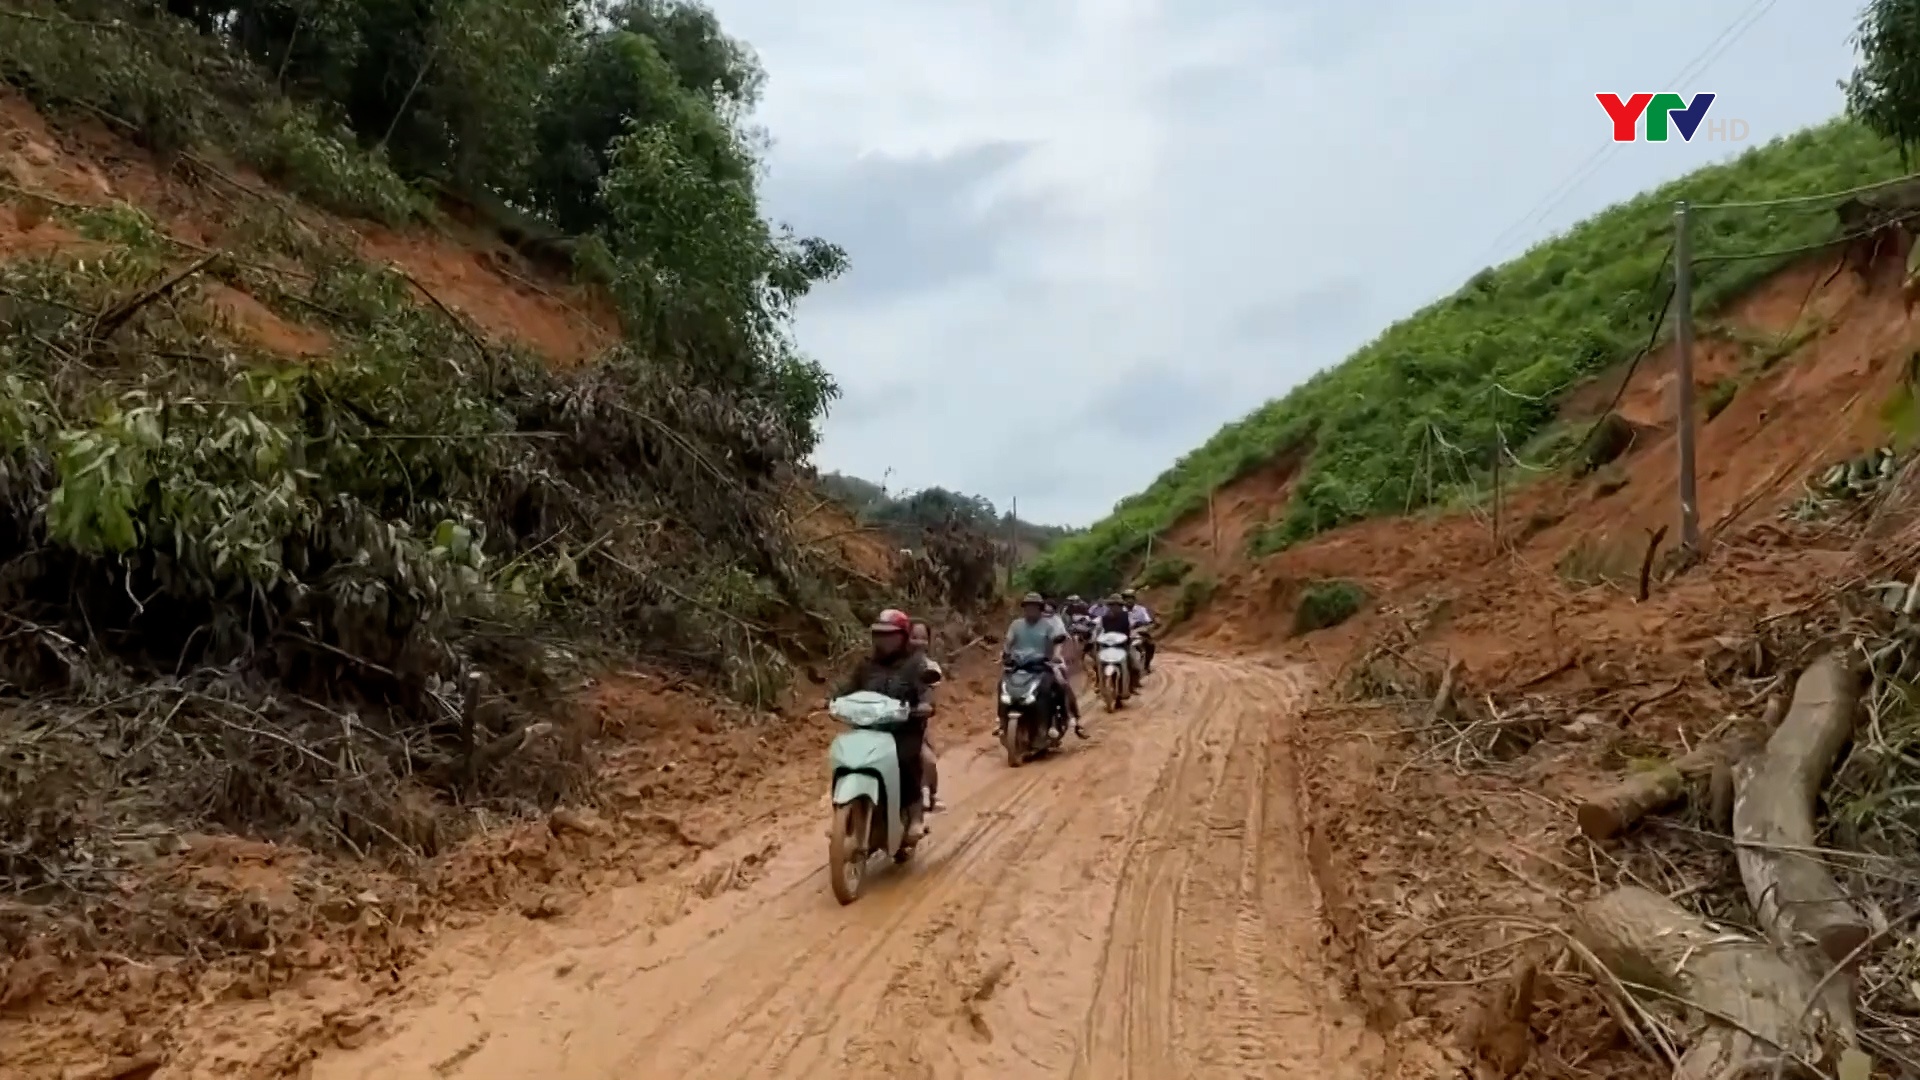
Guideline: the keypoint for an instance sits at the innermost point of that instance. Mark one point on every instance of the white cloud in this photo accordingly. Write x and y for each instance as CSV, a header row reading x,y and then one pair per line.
x,y
1163,214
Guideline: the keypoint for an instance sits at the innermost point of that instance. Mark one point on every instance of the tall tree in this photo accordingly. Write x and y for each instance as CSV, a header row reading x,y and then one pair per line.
x,y
1884,92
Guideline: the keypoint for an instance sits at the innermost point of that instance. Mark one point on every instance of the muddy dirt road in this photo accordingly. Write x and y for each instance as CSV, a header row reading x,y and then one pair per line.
x,y
1137,906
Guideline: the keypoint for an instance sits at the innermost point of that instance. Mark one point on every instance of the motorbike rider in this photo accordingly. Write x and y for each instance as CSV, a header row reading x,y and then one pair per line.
x,y
1035,632
1116,618
1141,619
1079,626
1062,672
919,637
896,670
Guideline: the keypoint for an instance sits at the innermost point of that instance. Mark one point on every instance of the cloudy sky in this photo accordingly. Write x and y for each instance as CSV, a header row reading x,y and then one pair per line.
x,y
1125,222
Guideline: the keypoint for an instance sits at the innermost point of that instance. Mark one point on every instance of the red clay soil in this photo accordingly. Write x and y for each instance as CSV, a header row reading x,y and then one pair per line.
x,y
1215,540
498,290
276,952
468,271
1821,403
1426,851
232,957
828,527
290,955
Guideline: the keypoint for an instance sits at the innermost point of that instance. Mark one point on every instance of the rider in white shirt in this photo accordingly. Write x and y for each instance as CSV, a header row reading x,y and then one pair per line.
x,y
1137,618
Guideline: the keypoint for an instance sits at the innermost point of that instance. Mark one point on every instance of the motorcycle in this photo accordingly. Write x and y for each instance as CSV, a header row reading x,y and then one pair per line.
x,y
1081,631
1024,719
1115,674
865,767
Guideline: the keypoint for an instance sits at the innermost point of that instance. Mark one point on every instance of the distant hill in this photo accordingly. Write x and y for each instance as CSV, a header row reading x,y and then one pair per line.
x,y
873,504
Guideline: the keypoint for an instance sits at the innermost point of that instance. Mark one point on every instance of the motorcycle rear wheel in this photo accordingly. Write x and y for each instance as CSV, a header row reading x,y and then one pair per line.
x,y
847,848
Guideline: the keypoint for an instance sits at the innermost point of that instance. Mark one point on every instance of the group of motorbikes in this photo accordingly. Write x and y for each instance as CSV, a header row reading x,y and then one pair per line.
x,y
868,816
1032,714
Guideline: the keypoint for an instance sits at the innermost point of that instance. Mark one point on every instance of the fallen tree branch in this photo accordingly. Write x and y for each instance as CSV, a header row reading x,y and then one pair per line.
x,y
116,316
1775,796
1446,707
1646,561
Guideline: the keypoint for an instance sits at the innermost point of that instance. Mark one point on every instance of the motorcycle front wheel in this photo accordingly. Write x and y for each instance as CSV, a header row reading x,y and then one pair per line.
x,y
847,848
1010,739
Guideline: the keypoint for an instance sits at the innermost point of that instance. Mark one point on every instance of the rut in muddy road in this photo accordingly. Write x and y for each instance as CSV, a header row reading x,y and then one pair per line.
x,y
1137,905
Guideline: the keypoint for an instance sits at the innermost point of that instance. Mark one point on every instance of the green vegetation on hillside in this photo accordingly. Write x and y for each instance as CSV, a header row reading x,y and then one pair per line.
x,y
1325,604
874,505
279,594
1489,360
610,133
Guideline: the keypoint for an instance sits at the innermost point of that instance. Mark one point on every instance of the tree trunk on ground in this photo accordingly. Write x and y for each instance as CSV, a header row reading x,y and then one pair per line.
x,y
1615,810
1754,998
1775,796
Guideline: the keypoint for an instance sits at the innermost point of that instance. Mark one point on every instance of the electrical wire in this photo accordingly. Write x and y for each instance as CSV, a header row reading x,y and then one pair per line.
x,y
1702,61
1793,200
1807,249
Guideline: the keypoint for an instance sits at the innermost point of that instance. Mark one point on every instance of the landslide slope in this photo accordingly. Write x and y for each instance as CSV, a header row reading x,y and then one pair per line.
x,y
382,461
1486,366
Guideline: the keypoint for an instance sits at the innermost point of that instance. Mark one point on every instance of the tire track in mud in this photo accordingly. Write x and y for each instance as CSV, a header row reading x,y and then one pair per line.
x,y
1137,906
1210,968
995,837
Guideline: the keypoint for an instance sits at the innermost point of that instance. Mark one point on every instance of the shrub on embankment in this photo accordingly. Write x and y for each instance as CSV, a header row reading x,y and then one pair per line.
x,y
245,589
1487,361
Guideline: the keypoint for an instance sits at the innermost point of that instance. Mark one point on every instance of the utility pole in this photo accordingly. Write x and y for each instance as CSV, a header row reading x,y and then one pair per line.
x,y
1013,540
1683,387
1213,526
1499,452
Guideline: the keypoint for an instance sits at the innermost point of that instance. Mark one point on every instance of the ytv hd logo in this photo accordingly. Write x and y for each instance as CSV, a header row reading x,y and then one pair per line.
x,y
1665,111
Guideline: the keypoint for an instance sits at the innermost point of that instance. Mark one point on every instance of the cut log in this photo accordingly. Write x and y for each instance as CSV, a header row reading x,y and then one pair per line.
x,y
1618,808
1615,810
1775,795
1666,954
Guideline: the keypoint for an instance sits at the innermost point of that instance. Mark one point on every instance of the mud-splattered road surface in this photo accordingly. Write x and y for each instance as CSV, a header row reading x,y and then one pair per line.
x,y
1139,905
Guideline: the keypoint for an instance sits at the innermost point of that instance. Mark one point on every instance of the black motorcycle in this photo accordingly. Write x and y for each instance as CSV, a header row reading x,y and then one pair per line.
x,y
1030,705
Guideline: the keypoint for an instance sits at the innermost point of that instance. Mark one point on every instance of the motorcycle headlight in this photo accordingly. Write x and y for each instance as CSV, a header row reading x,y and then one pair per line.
x,y
1004,699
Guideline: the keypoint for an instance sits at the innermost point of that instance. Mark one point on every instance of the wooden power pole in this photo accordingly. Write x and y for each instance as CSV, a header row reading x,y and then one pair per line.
x,y
1683,376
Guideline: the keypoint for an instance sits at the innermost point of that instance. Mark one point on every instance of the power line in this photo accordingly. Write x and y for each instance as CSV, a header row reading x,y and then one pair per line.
x,y
1804,249
1703,60
1793,200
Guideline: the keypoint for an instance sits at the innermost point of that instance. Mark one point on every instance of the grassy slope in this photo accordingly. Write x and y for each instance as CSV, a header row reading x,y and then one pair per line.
x,y
1567,309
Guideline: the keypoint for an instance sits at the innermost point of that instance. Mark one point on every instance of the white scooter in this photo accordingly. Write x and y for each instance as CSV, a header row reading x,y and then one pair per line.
x,y
865,765
1115,671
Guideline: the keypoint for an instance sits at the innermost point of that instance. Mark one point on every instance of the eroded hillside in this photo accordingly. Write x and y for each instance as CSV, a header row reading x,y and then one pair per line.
x,y
350,522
